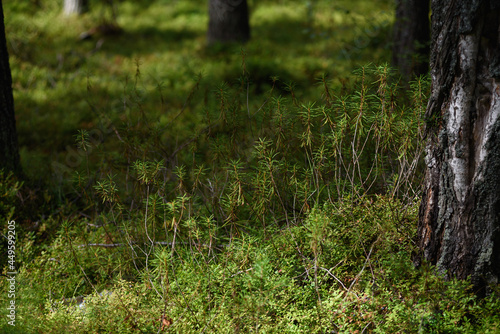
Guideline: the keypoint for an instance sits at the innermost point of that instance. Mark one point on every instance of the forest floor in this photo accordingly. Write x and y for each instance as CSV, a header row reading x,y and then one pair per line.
x,y
174,187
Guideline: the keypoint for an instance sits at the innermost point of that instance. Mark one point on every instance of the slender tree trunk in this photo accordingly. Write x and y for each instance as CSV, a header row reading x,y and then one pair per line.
x,y
9,153
410,52
459,225
228,21
72,7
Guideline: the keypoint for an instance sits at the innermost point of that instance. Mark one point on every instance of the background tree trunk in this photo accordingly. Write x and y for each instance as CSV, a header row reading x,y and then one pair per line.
x,y
75,7
228,21
410,51
459,225
9,152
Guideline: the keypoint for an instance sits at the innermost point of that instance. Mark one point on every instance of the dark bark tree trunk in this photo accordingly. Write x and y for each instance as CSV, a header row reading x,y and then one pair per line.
x,y
75,7
410,51
9,153
228,21
459,223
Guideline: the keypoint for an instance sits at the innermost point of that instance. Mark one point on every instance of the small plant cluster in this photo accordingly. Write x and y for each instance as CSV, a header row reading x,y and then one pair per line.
x,y
278,216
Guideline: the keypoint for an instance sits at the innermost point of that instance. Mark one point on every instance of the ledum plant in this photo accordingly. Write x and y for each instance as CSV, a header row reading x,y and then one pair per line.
x,y
249,169
245,169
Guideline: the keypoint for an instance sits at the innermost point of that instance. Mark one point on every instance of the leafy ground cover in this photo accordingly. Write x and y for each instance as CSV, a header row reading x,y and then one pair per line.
x,y
175,188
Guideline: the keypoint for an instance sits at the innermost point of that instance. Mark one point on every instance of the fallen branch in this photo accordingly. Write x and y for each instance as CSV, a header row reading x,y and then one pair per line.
x,y
161,243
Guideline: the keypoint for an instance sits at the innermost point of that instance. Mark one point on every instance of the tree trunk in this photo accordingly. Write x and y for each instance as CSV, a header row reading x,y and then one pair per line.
x,y
228,21
9,153
75,7
410,51
459,223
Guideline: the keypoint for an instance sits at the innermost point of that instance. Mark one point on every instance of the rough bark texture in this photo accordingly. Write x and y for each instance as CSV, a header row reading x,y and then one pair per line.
x,y
459,226
410,52
9,154
72,7
228,21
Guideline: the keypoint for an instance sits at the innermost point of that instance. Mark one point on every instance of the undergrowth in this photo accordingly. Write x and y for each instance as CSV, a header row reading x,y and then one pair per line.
x,y
293,217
